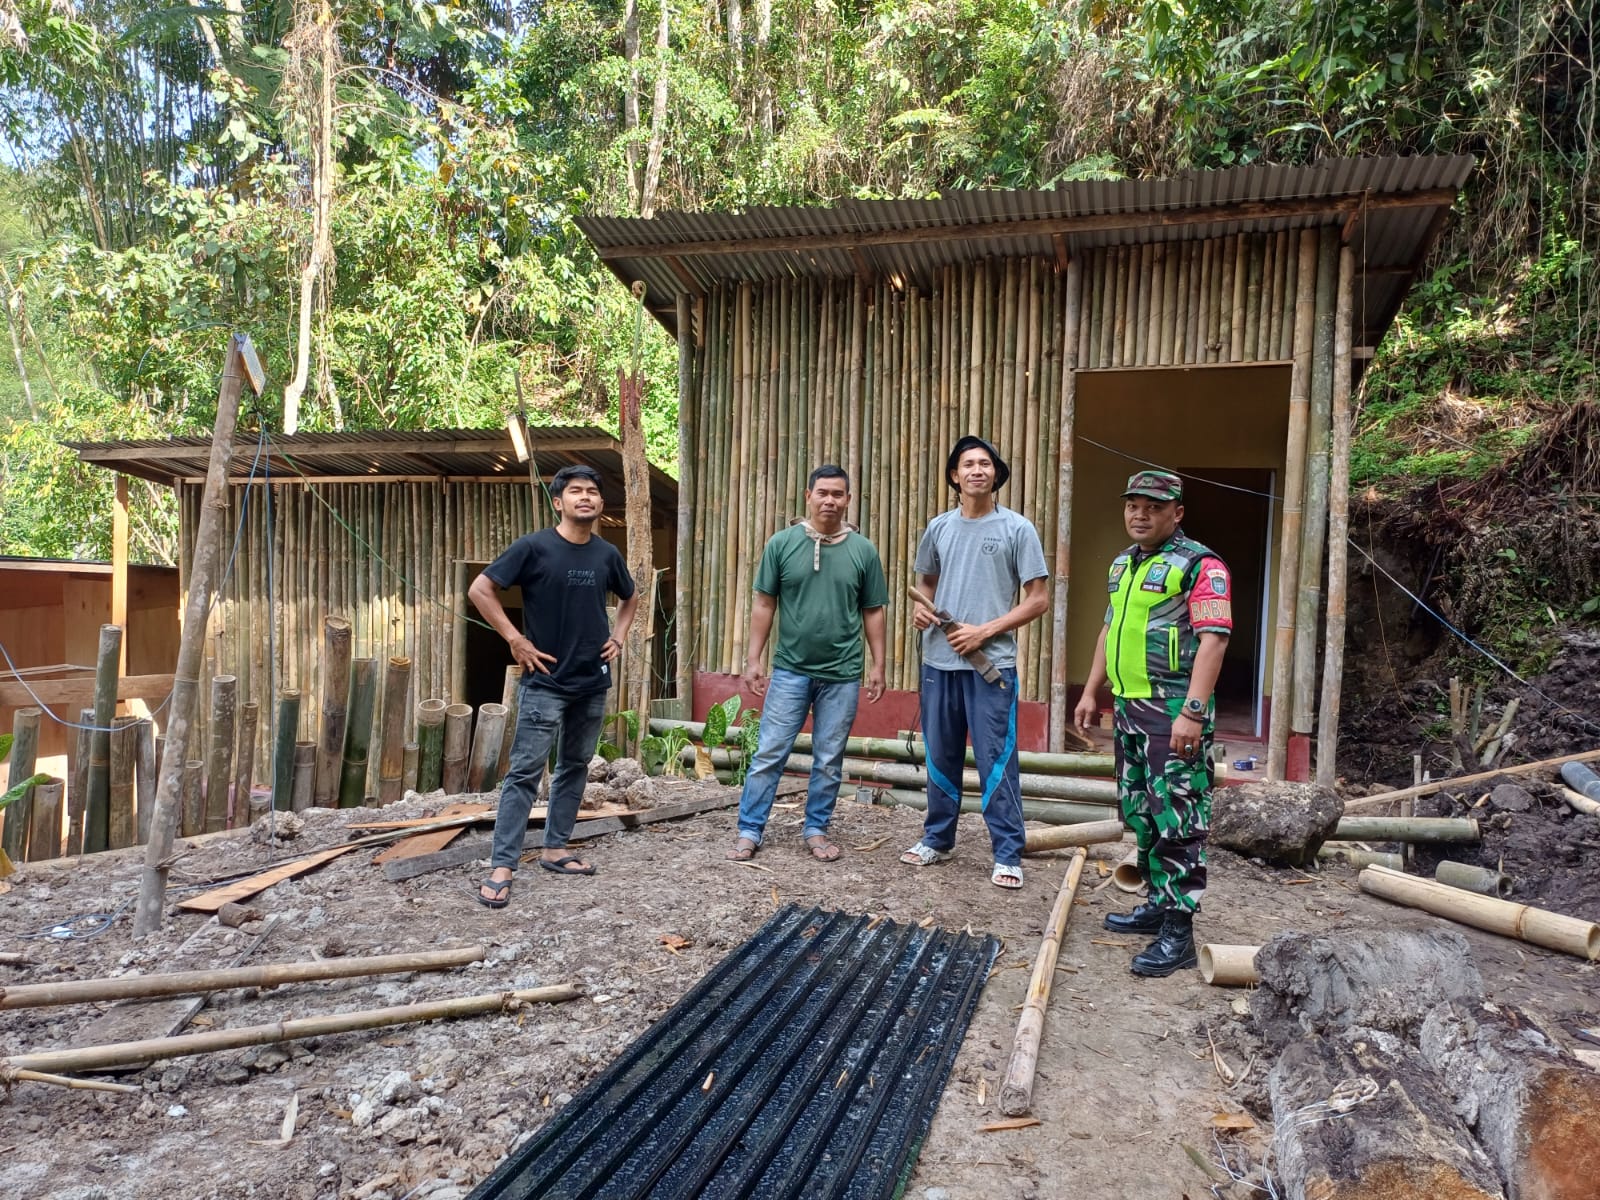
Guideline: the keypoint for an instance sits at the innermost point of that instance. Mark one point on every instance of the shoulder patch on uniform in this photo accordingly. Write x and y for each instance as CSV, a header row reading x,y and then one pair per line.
x,y
1218,579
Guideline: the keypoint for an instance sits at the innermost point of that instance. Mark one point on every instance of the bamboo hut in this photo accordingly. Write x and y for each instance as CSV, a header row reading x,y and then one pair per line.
x,y
384,530
1213,323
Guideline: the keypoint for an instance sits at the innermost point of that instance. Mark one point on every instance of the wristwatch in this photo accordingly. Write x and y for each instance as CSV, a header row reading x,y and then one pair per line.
x,y
1194,708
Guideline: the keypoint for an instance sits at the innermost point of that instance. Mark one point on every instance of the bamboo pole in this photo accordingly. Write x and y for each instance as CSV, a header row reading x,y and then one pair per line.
x,y
1407,829
43,839
410,756
684,574
244,764
335,671
200,582
1461,781
430,743
1060,837
1472,878
144,752
194,800
197,983
1016,1095
1338,527
392,743
1239,269
304,773
484,774
457,742
284,736
24,756
97,816
1064,486
219,759
358,732
1293,493
121,1054
1228,966
1319,434
78,780
1536,926
510,697
120,813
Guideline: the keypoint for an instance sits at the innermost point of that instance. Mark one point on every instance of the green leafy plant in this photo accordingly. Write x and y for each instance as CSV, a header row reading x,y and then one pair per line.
x,y
658,752
626,724
17,790
718,720
749,739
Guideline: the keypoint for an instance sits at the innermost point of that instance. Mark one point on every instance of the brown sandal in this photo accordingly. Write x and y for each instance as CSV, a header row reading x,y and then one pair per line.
x,y
743,850
822,849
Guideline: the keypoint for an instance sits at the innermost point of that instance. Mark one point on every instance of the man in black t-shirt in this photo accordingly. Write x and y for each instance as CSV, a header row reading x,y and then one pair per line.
x,y
565,648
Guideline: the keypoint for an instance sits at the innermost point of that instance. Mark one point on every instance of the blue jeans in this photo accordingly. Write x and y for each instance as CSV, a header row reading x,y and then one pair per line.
x,y
955,703
546,719
790,696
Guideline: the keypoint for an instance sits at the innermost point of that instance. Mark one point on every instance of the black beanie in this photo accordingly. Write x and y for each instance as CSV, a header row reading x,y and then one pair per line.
x,y
973,442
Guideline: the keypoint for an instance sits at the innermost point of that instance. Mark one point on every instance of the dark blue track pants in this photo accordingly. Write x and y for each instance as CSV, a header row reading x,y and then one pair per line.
x,y
954,704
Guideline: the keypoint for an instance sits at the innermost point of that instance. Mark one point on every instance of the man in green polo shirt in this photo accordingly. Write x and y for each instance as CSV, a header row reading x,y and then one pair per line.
x,y
825,583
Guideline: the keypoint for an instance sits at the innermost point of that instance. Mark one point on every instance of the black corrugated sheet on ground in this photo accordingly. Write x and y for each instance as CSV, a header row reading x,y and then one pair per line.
x,y
808,1064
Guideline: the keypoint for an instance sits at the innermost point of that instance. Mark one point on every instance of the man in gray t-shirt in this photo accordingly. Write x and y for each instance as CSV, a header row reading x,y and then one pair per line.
x,y
973,561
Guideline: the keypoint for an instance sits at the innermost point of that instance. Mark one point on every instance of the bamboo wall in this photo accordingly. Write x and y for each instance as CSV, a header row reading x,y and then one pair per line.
x,y
881,379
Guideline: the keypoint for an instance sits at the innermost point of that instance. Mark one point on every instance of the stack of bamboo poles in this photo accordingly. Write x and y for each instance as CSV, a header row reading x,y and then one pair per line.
x,y
882,379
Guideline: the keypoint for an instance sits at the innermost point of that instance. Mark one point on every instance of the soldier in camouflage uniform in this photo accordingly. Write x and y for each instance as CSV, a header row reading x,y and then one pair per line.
x,y
1167,627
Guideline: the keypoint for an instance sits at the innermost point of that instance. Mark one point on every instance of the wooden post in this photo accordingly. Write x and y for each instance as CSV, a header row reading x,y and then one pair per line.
x,y
305,769
121,820
1338,527
391,747
144,750
97,818
24,756
119,566
1293,496
688,473
1058,621
457,742
202,577
485,771
430,743
335,668
283,749
1017,1092
244,764
44,834
219,759
78,779
358,733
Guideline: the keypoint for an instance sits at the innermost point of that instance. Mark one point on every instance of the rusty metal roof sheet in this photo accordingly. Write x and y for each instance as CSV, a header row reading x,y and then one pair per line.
x,y
808,1064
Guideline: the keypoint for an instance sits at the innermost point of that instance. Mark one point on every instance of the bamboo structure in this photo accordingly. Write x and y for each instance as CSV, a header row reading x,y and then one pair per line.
x,y
283,751
410,758
358,733
1016,1094
97,811
144,751
78,780
335,672
305,770
1228,966
193,798
430,744
1554,931
24,754
44,835
122,1054
219,759
244,763
484,773
457,743
1061,837
120,814
392,742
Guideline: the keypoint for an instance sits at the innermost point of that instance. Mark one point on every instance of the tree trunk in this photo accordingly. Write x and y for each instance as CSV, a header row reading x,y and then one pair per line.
x,y
1362,1115
658,121
630,98
641,554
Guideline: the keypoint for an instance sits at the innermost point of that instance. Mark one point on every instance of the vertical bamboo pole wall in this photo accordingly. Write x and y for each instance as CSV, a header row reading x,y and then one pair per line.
x,y
789,371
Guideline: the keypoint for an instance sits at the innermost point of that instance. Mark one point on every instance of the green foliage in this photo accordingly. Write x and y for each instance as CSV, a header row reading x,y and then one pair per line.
x,y
718,721
5,745
749,741
659,752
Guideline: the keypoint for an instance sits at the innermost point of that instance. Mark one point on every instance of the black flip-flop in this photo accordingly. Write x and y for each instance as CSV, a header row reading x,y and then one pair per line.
x,y
559,866
502,886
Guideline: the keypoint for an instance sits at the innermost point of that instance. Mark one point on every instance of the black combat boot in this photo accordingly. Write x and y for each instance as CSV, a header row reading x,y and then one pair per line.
x,y
1144,919
1173,949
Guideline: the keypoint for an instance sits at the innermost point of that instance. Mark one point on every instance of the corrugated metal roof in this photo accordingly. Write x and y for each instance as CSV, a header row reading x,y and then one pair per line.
x,y
808,1063
360,454
1404,199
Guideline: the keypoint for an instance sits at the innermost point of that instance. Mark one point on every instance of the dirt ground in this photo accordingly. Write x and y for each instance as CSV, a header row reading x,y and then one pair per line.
x,y
1127,1074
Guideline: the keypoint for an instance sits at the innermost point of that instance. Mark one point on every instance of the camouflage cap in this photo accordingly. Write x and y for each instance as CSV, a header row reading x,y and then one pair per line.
x,y
1158,485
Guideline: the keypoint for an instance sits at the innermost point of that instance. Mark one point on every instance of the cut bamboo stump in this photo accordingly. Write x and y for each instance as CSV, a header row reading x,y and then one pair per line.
x,y
193,983
120,812
358,733
24,755
457,743
430,745
97,813
283,750
219,759
302,791
392,742
1357,857
336,689
410,757
78,780
1062,836
194,802
1126,874
1016,1094
244,764
44,837
121,1054
1361,1114
1228,966
1536,1108
510,696
144,752
484,774
1536,926
1472,878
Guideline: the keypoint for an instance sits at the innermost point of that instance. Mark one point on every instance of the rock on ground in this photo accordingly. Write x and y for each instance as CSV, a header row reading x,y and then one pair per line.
x,y
1276,822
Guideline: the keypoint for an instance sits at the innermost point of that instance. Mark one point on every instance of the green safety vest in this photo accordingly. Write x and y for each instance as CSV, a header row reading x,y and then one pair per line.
x,y
1150,641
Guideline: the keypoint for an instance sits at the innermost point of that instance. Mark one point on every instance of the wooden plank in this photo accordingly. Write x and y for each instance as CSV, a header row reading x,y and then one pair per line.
x,y
427,843
536,814
243,889
79,693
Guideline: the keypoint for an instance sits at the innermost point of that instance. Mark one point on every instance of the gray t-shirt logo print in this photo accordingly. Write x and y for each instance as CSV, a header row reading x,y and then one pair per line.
x,y
991,546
